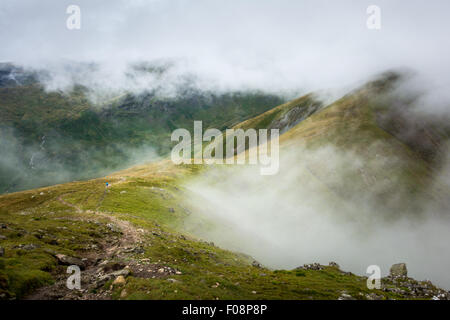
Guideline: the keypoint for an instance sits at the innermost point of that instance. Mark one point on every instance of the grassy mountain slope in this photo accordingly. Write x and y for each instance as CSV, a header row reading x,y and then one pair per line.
x,y
284,116
370,123
136,226
83,219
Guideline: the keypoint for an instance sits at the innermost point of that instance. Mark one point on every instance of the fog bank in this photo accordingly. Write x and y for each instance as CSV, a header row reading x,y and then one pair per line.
x,y
297,217
234,45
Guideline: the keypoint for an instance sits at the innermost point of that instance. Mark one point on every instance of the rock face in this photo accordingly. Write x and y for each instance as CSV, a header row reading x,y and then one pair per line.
x,y
398,270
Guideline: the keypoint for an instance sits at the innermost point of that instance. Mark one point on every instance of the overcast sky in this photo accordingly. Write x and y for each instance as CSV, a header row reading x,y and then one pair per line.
x,y
247,43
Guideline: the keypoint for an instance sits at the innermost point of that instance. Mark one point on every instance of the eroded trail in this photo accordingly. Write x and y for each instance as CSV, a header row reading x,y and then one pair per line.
x,y
94,264
131,235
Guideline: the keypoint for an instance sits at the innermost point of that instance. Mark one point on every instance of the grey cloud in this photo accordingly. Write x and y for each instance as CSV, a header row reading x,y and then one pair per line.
x,y
272,45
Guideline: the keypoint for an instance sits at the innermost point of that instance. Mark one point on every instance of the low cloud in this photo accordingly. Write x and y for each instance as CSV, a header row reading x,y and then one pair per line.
x,y
305,214
275,46
50,161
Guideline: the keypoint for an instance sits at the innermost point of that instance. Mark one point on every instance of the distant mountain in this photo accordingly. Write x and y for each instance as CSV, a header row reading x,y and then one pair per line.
x,y
51,137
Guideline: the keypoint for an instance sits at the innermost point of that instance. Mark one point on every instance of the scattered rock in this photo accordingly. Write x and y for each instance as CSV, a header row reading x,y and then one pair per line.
x,y
398,270
112,227
374,296
171,210
124,293
442,296
256,264
312,266
103,279
139,250
2,252
345,296
2,237
124,272
30,246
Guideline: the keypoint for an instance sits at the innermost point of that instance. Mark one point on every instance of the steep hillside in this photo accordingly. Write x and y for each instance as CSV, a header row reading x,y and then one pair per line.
x,y
400,150
285,116
132,229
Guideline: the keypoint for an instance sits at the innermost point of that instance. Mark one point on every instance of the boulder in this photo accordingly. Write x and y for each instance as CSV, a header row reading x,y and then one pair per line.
x,y
68,261
119,281
398,270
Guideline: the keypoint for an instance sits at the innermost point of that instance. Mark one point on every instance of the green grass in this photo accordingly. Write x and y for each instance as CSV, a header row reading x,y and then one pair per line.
x,y
202,264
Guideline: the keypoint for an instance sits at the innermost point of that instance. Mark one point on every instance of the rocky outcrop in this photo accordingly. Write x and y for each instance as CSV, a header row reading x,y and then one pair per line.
x,y
398,270
399,283
333,264
311,266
